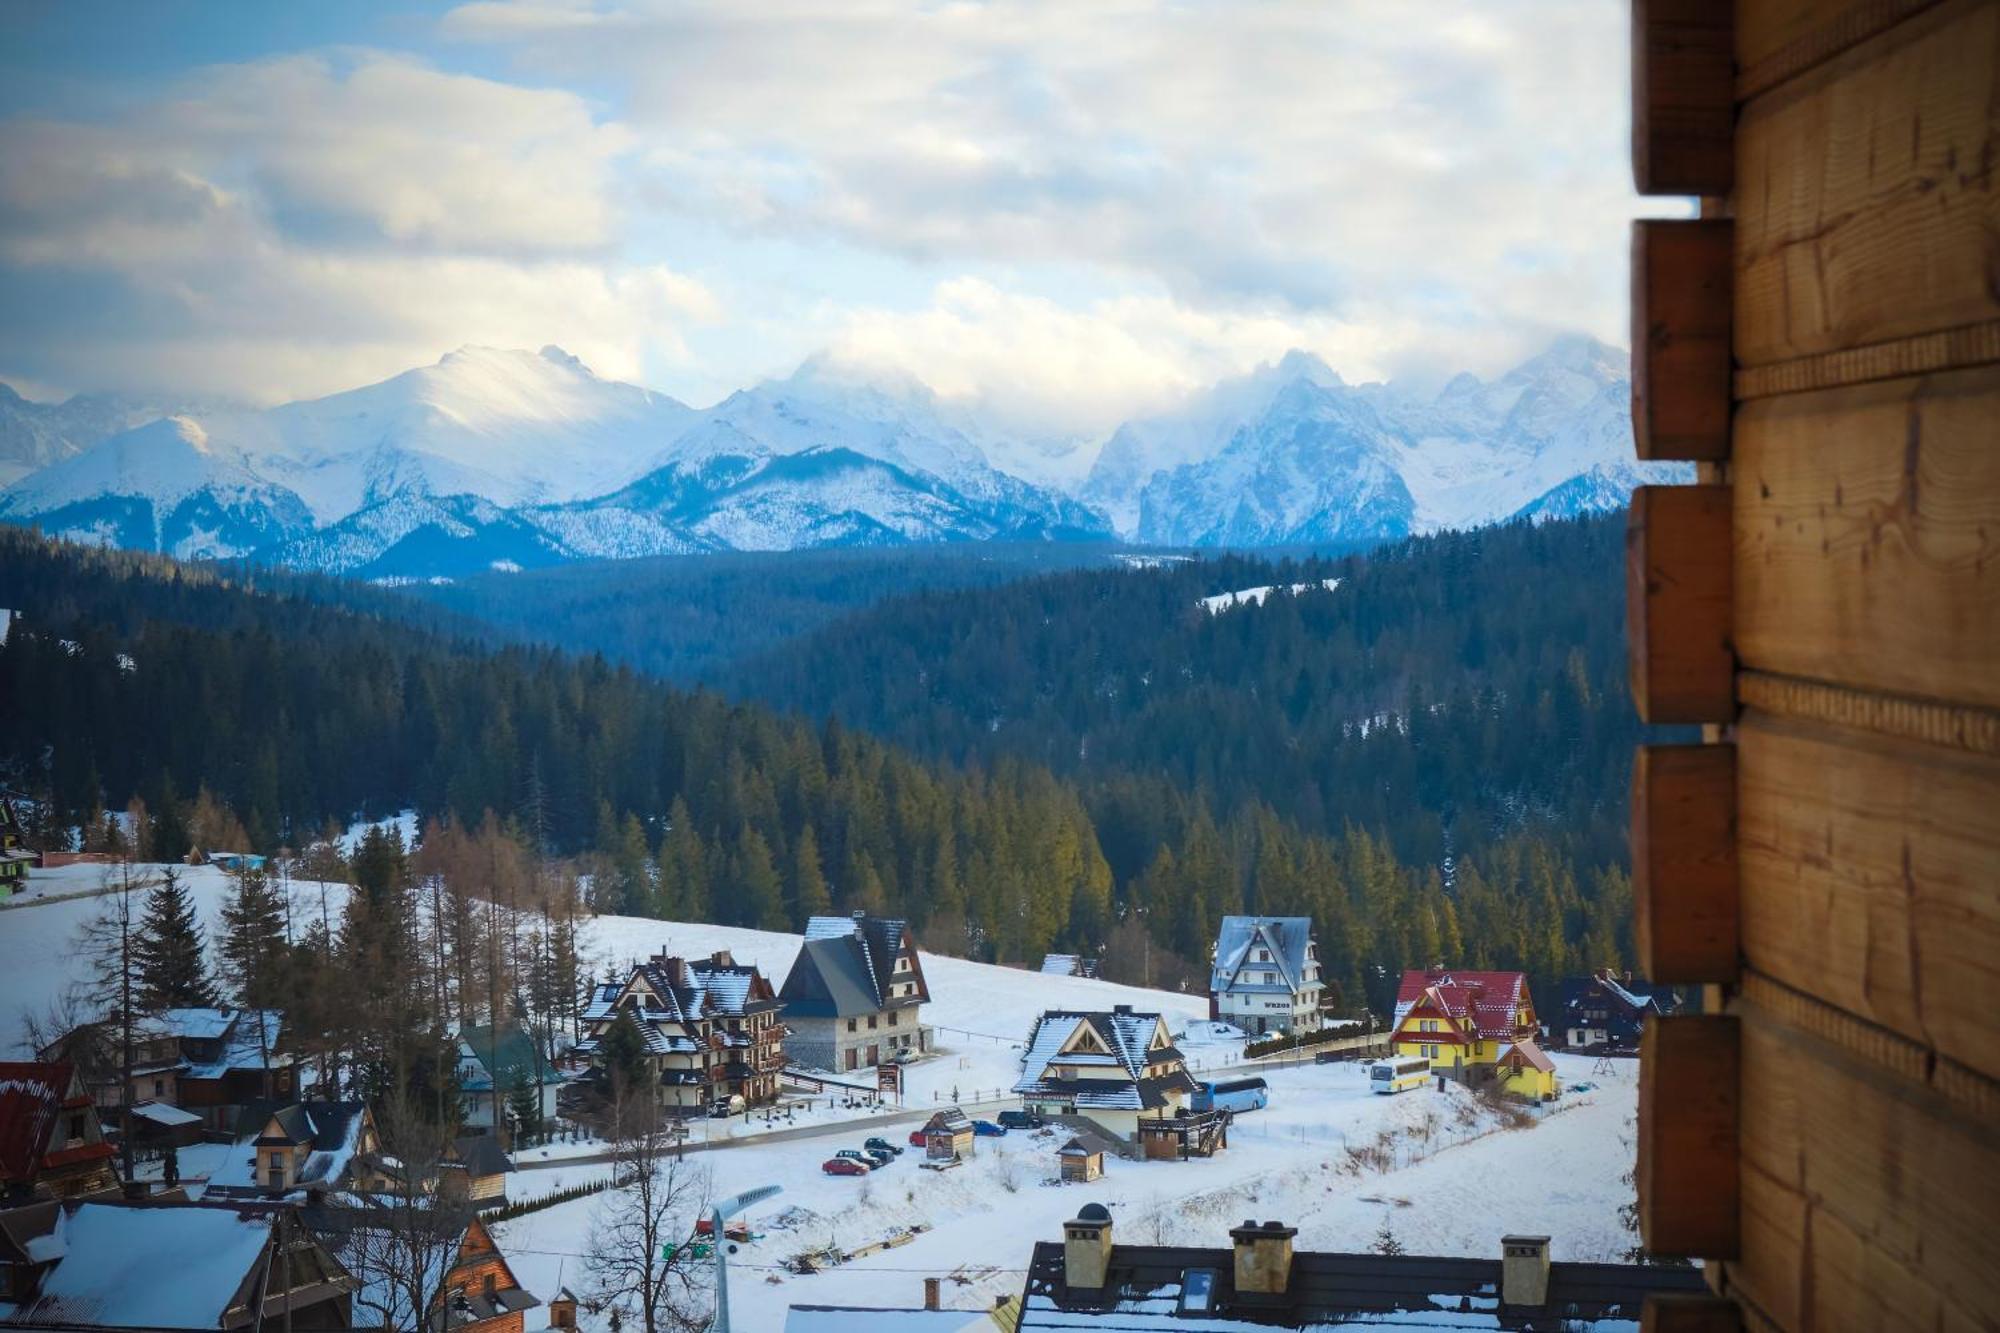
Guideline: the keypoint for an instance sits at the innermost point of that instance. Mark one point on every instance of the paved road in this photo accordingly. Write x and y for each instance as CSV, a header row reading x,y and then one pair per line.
x,y
860,1126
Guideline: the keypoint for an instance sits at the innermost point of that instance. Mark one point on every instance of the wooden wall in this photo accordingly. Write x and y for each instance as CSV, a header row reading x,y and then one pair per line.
x,y
1824,342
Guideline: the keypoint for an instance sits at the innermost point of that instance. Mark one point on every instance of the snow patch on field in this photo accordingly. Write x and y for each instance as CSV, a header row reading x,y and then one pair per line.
x,y
1224,601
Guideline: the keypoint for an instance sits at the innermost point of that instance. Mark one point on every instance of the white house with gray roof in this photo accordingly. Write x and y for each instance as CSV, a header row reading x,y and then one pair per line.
x,y
1114,1069
855,995
1266,975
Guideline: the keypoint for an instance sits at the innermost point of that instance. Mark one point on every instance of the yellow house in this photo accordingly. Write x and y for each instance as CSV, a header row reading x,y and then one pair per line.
x,y
1525,1070
1463,1022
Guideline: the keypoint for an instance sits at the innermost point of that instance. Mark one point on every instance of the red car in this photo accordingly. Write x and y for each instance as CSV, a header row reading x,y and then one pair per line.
x,y
843,1166
916,1138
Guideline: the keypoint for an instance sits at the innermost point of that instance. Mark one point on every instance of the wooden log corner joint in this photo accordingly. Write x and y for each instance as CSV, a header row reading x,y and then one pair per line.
x,y
1684,863
1679,593
1682,371
1683,97
1690,1093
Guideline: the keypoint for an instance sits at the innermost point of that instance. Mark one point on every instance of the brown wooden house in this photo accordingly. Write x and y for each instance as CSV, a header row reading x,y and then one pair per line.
x,y
1824,343
51,1145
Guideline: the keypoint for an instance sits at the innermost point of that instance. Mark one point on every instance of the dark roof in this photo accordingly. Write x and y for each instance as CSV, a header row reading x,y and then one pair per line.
x,y
847,966
1143,1290
482,1155
1090,1141
32,1099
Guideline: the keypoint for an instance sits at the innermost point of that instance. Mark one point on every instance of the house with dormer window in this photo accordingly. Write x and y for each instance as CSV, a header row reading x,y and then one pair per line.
x,y
855,995
1474,1027
1114,1069
1266,975
711,1028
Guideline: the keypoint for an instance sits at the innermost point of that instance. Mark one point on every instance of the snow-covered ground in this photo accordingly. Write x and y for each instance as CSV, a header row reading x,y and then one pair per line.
x,y
1447,1178
1224,601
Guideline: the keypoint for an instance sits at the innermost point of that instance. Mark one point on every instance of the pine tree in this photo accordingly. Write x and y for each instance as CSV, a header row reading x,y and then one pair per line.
x,y
811,897
623,1049
172,971
760,893
252,942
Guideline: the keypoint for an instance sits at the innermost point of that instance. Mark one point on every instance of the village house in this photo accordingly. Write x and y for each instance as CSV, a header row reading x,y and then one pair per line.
x,y
476,1291
1266,975
181,1265
855,993
477,1168
495,1066
303,1149
15,857
232,1058
1260,1281
1068,965
711,1029
51,1144
1115,1069
1465,1022
1605,1012
96,1051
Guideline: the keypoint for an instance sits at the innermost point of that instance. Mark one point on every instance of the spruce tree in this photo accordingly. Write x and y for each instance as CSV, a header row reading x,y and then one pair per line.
x,y
812,898
622,1049
252,942
172,971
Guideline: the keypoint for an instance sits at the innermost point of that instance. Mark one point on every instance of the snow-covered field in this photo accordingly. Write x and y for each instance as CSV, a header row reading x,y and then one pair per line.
x,y
1446,1179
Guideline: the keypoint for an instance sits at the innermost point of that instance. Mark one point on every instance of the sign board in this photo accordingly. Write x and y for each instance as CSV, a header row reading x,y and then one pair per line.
x,y
889,1079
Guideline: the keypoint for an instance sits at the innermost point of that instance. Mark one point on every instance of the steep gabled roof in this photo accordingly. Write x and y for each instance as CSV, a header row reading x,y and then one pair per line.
x,y
1286,938
863,950
331,1131
1526,1052
831,979
1490,999
33,1098
1126,1036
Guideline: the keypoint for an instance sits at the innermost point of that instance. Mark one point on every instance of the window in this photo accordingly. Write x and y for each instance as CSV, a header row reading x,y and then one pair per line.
x,y
850,1025
871,1022
76,1126
159,1087
893,1018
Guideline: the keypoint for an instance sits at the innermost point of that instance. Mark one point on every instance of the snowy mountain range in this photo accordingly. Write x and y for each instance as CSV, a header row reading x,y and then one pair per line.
x,y
513,459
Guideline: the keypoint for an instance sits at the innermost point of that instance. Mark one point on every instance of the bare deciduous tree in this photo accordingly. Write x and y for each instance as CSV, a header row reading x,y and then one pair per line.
x,y
401,1237
641,1260
108,943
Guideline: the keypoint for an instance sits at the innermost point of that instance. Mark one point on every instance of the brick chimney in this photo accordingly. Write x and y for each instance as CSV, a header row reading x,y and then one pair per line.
x,y
931,1299
1263,1256
1087,1248
1524,1270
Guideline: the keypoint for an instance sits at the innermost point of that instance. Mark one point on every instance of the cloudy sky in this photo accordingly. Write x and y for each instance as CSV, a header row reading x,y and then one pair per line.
x,y
1070,211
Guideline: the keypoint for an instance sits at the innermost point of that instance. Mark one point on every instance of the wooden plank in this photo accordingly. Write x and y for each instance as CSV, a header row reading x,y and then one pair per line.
x,y
1778,40
1677,603
1684,862
1868,536
1687,1171
1683,96
1878,1195
1681,367
1866,207
1867,869
1681,1313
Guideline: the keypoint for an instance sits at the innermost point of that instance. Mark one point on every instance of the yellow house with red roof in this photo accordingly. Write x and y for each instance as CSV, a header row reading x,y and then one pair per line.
x,y
1479,1028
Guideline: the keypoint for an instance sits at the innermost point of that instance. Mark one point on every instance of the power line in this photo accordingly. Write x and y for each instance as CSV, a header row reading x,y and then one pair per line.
x,y
775,1268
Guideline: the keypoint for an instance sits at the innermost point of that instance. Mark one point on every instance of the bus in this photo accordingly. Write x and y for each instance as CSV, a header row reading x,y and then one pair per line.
x,y
1238,1094
1402,1074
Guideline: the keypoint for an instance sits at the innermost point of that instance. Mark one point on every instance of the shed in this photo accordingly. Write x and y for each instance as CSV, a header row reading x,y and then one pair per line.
x,y
1082,1158
947,1135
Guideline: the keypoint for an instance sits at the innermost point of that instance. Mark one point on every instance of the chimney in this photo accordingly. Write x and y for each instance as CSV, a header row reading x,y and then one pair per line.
x,y
1524,1270
1121,1008
1087,1248
1263,1257
931,1293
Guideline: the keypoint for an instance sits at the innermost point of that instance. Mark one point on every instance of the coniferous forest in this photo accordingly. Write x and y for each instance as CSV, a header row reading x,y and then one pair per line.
x,y
1428,759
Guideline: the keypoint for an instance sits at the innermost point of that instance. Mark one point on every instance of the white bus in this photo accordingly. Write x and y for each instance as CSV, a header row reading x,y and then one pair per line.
x,y
1400,1074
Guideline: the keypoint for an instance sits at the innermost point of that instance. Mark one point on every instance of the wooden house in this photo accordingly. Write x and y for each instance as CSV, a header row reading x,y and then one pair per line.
x,y
296,1148
1605,1012
1115,1069
478,1167
948,1136
710,1025
1823,342
474,1289
51,1144
1461,1021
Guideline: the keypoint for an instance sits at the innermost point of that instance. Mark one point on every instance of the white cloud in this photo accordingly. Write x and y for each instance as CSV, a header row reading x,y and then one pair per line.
x,y
301,225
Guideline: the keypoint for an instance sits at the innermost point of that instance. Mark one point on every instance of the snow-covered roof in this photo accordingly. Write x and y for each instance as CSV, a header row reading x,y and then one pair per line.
x,y
1126,1036
1286,938
249,1038
160,1113
149,1267
857,1319
1492,1000
333,1131
1528,1053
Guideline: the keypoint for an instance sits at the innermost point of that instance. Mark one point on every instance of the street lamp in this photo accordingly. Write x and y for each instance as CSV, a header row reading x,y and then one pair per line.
x,y
724,1209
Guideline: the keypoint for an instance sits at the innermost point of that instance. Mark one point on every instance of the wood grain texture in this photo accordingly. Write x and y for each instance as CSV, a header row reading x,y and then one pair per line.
x,y
1868,536
1866,1201
1683,97
1678,586
1868,879
1866,208
1688,1136
1684,862
1681,367
1961,348
1678,1313
1778,40
1955,726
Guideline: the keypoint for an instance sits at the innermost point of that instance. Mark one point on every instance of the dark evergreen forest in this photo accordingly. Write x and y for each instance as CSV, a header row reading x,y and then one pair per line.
x,y
1174,796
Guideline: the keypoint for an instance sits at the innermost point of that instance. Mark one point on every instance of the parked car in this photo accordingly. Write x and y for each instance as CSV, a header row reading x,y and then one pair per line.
x,y
917,1139
1021,1120
878,1157
844,1166
883,1145
859,1158
723,1107
986,1129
